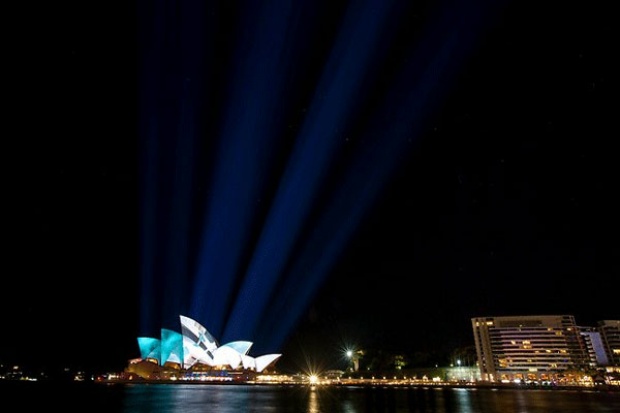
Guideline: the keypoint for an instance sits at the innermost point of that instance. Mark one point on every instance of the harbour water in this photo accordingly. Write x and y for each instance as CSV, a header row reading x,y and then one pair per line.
x,y
162,398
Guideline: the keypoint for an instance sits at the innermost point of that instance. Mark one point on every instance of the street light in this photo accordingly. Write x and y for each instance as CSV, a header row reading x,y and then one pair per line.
x,y
353,357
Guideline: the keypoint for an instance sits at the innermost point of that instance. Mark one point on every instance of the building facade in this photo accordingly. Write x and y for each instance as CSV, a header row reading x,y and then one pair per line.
x,y
536,348
194,354
610,335
595,347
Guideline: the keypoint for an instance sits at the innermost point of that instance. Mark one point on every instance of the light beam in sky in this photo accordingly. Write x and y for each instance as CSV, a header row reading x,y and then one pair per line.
x,y
316,148
247,150
264,248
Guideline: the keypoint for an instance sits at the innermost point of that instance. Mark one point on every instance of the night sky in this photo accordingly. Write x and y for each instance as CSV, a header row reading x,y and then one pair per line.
x,y
501,201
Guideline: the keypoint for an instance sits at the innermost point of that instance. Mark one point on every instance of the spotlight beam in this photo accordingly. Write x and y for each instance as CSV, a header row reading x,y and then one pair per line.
x,y
436,67
316,148
245,156
168,131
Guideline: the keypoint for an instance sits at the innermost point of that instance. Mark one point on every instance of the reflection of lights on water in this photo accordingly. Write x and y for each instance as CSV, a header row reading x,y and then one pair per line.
x,y
313,403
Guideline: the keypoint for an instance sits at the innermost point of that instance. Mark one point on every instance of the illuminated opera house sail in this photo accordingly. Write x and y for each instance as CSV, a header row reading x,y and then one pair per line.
x,y
196,349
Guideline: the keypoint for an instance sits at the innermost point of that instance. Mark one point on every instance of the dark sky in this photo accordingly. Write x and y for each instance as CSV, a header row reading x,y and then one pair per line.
x,y
507,203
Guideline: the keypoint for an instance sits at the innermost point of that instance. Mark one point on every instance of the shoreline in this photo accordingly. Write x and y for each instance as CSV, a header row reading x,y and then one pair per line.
x,y
377,384
371,384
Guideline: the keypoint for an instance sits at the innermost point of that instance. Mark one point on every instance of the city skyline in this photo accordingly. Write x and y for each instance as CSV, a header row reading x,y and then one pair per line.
x,y
501,203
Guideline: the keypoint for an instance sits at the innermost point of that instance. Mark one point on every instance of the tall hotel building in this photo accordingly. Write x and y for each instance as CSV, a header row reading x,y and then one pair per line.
x,y
610,334
528,347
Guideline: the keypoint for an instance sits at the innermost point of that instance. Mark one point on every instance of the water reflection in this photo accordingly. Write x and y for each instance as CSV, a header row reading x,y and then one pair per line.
x,y
313,402
282,399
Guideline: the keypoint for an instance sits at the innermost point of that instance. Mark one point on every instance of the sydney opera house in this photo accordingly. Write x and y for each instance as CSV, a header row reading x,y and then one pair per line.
x,y
194,354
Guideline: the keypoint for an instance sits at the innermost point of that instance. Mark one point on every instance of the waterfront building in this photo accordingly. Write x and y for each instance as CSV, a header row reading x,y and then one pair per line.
x,y
195,354
595,348
610,334
536,348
